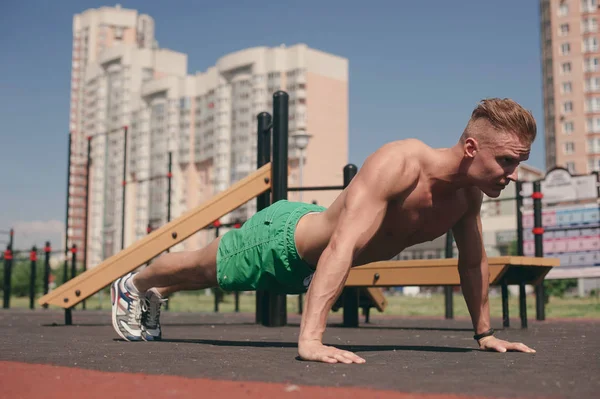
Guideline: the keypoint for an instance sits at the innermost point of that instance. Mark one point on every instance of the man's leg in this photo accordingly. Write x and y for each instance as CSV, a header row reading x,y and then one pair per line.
x,y
178,271
137,298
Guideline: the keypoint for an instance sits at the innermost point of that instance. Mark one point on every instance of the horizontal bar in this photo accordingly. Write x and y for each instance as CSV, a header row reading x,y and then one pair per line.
x,y
550,229
500,199
316,188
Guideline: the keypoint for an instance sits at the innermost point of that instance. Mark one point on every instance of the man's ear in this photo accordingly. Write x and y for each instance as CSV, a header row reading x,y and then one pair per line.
x,y
470,148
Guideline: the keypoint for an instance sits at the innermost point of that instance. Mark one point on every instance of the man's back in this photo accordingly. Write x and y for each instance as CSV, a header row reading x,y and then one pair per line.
x,y
427,210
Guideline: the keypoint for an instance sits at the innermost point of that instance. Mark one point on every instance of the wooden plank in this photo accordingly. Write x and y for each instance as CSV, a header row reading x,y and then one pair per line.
x,y
423,263
393,277
86,284
376,296
436,272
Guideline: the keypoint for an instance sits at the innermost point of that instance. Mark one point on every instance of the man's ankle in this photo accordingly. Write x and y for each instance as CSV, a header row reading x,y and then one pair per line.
x,y
130,285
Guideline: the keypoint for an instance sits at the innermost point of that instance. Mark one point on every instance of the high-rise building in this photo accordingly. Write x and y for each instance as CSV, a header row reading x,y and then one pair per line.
x,y
205,124
94,31
571,83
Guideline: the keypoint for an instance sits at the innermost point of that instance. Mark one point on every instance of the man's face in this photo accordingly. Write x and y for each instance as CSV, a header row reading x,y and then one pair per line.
x,y
495,162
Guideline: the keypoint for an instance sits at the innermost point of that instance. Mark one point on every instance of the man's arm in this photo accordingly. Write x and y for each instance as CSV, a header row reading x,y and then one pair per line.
x,y
383,177
474,276
473,265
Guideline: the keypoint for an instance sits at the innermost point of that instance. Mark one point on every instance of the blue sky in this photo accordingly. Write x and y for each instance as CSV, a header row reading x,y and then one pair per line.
x,y
417,69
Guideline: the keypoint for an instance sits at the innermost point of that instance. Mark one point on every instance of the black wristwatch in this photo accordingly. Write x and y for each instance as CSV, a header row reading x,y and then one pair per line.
x,y
484,334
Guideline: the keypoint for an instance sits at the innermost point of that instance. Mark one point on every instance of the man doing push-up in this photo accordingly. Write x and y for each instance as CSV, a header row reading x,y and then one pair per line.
x,y
405,193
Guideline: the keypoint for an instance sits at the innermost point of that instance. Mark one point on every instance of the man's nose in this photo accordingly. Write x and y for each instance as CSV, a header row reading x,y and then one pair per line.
x,y
513,176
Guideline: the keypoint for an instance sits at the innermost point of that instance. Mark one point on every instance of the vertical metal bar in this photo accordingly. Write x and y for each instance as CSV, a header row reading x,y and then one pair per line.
x,y
448,299
538,232
87,205
47,250
520,252
350,295
169,194
505,311
217,289
73,261
124,187
277,302
262,201
7,276
169,188
32,277
65,268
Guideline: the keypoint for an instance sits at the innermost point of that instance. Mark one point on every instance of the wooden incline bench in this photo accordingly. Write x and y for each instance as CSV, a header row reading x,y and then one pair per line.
x,y
93,280
504,271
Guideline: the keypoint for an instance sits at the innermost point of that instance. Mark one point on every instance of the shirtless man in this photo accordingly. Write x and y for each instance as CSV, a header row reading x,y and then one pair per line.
x,y
405,193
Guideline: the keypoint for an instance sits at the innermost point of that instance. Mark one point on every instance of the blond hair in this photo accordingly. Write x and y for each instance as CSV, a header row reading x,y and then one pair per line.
x,y
506,116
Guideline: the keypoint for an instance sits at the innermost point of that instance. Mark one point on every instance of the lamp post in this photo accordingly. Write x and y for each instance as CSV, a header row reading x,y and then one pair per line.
x,y
301,139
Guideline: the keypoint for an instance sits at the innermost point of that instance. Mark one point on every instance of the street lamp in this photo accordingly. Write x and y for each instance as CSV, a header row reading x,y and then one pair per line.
x,y
301,139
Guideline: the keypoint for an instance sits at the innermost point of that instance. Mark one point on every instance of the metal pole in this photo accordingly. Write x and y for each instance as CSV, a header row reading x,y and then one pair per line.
x,y
217,289
47,250
505,310
277,303
169,185
538,232
87,206
350,295
32,277
520,252
301,177
169,178
448,299
124,187
65,274
11,238
73,261
263,157
7,276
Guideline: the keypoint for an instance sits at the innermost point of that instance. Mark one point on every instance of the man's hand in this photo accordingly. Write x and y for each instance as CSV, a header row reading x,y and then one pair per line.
x,y
494,344
316,351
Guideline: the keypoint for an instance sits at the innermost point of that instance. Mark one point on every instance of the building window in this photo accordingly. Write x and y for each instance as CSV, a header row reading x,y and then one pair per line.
x,y
569,148
568,107
592,104
565,48
592,84
591,64
564,30
589,25
570,166
568,127
589,5
590,44
567,87
566,67
593,125
563,10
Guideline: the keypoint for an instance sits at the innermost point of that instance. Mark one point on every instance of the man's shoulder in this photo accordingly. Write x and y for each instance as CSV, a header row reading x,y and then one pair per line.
x,y
403,153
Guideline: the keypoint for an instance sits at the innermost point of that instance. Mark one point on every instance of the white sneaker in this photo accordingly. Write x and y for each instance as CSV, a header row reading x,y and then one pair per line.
x,y
151,330
126,310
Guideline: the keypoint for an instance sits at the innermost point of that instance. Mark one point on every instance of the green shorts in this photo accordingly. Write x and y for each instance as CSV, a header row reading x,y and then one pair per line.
x,y
262,254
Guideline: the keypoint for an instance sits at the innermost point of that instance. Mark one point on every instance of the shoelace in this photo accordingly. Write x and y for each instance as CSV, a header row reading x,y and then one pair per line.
x,y
152,311
139,307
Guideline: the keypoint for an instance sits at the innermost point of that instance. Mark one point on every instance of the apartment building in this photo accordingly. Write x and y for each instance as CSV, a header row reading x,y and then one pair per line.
x,y
205,123
94,31
571,84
